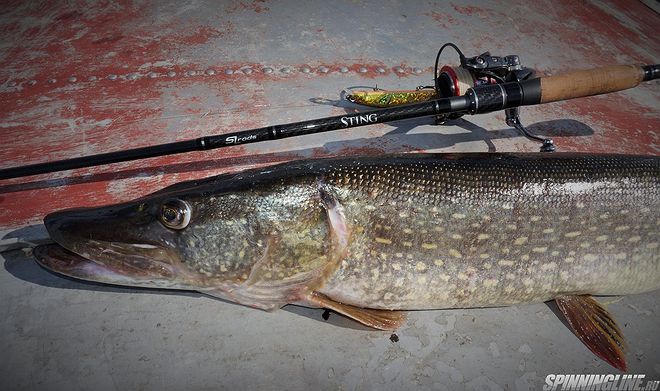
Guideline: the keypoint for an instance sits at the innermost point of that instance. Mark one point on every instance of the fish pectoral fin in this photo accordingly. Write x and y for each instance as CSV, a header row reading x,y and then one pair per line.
x,y
595,327
293,263
378,319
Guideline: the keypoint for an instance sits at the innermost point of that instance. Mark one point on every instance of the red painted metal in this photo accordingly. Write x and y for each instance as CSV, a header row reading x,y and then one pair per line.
x,y
46,115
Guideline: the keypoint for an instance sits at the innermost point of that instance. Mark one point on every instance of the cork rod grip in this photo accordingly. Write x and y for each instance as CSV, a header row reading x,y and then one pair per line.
x,y
597,81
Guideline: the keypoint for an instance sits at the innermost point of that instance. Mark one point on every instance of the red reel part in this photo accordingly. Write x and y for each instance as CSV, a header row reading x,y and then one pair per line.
x,y
455,81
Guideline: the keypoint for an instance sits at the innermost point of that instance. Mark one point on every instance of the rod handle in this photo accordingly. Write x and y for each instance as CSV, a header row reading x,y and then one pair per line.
x,y
492,97
590,82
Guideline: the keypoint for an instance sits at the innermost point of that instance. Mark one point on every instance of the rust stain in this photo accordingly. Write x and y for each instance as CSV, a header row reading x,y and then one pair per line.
x,y
444,20
96,36
68,16
257,6
202,35
598,34
620,124
642,16
470,10
108,39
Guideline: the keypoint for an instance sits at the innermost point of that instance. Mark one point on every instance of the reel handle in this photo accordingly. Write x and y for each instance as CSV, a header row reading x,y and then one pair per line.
x,y
588,82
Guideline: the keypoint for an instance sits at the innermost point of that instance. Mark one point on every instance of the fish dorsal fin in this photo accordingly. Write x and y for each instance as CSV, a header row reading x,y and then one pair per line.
x,y
378,319
286,274
595,327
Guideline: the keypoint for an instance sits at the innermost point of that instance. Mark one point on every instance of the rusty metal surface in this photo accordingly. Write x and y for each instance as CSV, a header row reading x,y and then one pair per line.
x,y
79,78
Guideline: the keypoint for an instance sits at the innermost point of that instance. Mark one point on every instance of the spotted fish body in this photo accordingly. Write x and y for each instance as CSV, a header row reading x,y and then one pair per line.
x,y
364,236
491,230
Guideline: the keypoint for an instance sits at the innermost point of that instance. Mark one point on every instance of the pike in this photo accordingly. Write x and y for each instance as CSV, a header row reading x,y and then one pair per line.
x,y
372,237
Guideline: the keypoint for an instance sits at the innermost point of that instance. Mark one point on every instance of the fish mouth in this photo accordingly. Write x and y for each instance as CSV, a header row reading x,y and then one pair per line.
x,y
97,245
60,260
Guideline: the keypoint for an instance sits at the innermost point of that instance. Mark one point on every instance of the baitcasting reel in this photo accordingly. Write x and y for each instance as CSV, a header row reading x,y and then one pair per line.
x,y
480,70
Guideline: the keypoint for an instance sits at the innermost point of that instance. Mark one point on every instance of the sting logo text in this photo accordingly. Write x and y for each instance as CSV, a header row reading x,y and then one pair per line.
x,y
359,120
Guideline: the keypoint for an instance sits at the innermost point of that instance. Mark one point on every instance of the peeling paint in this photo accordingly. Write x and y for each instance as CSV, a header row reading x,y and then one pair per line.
x,y
55,91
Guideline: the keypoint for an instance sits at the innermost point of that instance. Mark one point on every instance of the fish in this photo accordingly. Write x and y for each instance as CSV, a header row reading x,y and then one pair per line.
x,y
374,237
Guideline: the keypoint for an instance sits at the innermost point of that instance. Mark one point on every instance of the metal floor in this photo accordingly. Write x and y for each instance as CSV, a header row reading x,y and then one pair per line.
x,y
79,78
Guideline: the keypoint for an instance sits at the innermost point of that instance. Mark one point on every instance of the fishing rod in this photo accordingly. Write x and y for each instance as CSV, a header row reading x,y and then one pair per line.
x,y
476,100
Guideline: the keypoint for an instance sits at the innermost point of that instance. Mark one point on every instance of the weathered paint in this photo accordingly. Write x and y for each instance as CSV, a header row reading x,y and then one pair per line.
x,y
43,42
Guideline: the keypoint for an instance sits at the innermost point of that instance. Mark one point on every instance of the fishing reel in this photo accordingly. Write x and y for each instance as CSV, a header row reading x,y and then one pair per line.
x,y
480,70
476,71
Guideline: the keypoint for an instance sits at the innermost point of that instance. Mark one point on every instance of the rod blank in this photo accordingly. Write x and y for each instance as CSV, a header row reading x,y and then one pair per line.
x,y
276,132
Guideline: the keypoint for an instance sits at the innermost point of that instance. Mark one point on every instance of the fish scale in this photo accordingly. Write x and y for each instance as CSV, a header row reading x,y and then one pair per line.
x,y
496,230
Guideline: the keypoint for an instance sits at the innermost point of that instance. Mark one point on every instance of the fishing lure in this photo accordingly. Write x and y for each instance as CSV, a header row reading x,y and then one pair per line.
x,y
388,98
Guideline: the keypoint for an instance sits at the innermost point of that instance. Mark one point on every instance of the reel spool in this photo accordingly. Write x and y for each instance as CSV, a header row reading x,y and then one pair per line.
x,y
454,81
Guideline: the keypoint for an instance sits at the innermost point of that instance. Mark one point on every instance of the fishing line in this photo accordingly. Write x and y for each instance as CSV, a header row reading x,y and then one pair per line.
x,y
436,77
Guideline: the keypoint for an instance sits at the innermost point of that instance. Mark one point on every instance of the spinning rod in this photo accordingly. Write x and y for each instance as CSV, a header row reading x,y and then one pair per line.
x,y
476,100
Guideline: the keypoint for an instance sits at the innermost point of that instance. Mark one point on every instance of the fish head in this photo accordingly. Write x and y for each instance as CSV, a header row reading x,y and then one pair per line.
x,y
194,240
126,244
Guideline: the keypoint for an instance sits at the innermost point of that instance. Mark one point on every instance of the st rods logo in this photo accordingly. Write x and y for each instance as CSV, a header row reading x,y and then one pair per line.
x,y
236,139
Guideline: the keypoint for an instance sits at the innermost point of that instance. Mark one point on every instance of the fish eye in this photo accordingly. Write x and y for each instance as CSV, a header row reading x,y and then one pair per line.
x,y
175,214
